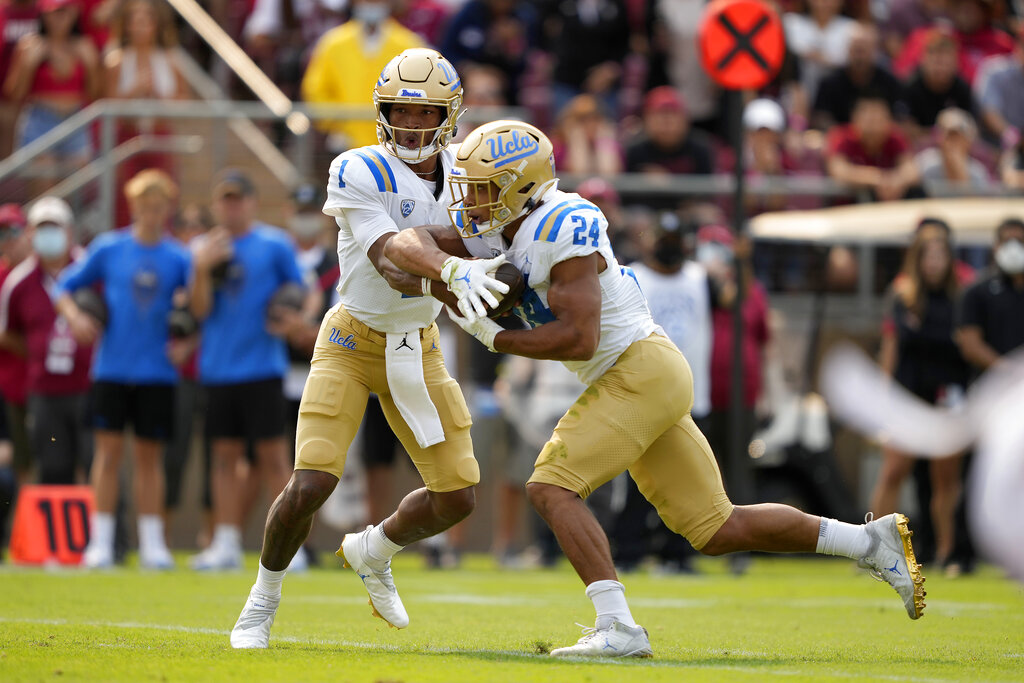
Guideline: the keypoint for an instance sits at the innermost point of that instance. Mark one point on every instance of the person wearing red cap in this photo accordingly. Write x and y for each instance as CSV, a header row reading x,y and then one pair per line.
x,y
55,72
668,144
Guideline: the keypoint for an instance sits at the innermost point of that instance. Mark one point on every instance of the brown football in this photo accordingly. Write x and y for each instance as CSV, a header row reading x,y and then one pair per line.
x,y
512,277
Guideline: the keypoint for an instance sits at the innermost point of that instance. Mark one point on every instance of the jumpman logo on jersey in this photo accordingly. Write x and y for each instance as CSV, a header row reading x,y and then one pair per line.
x,y
894,569
405,343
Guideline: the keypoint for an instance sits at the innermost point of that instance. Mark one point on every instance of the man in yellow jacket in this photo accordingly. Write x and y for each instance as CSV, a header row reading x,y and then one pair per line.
x,y
346,63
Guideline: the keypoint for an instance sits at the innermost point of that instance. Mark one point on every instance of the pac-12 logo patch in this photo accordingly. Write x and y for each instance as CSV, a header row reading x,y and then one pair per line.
x,y
407,206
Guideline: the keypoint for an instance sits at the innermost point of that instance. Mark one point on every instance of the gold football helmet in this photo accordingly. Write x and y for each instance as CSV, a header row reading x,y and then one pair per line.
x,y
505,167
418,76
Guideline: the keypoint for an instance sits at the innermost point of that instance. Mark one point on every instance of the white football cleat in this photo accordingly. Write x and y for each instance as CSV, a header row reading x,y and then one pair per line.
x,y
379,584
216,558
614,640
890,558
252,630
156,558
97,557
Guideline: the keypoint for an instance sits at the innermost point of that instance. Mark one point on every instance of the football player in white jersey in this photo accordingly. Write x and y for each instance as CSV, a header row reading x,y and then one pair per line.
x,y
381,337
589,312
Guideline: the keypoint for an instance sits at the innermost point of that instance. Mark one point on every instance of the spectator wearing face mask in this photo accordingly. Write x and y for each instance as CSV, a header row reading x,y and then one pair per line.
x,y
58,366
346,63
991,323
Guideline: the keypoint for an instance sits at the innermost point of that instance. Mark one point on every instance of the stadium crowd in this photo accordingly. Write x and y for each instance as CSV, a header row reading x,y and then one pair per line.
x,y
892,100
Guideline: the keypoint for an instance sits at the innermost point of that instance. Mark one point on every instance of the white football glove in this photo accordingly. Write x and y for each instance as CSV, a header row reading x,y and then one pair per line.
x,y
484,329
471,281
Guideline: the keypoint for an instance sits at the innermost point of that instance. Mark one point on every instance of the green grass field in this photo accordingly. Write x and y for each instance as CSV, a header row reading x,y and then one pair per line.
x,y
790,620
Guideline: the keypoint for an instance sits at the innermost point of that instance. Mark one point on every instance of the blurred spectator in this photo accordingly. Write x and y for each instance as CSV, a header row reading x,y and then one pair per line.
x,y
950,162
238,266
936,85
991,323
668,144
585,140
1000,92
58,366
870,153
498,33
140,270
820,38
363,46
54,72
840,89
918,351
766,155
15,246
588,41
1011,167
425,18
279,35
18,18
676,31
96,20
905,17
975,34
142,65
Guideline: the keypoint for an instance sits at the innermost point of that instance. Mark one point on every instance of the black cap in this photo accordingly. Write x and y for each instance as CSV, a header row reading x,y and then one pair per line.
x,y
233,181
308,197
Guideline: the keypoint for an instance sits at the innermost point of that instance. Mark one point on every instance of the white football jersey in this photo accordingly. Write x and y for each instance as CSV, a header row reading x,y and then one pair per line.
x,y
681,303
371,193
566,226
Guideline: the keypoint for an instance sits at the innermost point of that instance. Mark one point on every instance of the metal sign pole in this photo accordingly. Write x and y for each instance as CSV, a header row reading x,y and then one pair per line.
x,y
737,429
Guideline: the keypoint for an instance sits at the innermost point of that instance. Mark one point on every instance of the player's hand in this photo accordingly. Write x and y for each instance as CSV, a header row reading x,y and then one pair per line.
x,y
212,248
471,282
483,328
84,328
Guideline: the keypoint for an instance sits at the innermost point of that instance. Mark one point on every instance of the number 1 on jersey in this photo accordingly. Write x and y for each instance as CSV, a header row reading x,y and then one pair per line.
x,y
581,225
341,172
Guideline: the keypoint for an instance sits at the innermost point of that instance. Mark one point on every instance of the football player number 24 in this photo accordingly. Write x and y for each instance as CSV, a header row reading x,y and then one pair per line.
x,y
580,233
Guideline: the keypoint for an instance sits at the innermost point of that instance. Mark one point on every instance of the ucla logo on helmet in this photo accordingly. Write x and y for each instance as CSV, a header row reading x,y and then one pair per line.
x,y
410,92
407,206
506,148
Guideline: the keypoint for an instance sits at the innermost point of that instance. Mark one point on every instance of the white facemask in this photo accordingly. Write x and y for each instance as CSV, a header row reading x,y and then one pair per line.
x,y
305,225
50,242
713,253
1010,257
371,13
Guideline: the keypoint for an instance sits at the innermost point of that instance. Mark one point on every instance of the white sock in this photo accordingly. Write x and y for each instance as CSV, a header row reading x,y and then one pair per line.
x,y
151,533
609,598
227,537
840,538
379,546
268,583
102,529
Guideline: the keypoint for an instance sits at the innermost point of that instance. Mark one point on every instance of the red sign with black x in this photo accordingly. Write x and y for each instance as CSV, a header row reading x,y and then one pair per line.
x,y
742,43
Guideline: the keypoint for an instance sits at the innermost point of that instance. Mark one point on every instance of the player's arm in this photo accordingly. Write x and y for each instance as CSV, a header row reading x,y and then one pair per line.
x,y
436,253
575,300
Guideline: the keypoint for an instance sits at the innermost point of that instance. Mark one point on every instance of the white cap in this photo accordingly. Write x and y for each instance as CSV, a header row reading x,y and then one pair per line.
x,y
764,113
50,210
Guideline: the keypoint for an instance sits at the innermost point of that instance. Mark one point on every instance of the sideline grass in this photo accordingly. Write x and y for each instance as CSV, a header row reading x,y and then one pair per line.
x,y
789,620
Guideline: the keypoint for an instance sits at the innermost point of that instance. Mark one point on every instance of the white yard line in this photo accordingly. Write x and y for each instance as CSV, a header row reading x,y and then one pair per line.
x,y
414,650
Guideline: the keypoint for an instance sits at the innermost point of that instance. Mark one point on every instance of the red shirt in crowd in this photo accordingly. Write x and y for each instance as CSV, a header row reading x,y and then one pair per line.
x,y
13,368
57,364
846,141
755,336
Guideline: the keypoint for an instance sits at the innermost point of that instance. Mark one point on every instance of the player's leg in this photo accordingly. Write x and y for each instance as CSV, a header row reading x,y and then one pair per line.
x,y
153,420
449,472
605,431
331,409
110,416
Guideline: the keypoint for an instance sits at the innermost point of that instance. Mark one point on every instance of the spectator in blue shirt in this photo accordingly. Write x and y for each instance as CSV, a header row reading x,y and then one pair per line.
x,y
139,269
238,267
